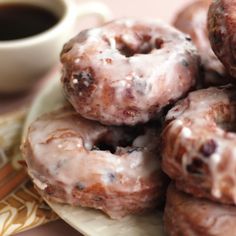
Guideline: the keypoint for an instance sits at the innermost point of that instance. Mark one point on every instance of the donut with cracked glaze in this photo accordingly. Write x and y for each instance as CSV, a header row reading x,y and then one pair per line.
x,y
222,32
81,162
126,71
188,216
199,144
192,20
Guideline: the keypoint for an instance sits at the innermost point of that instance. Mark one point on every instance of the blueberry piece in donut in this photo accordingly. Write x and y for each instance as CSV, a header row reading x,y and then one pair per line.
x,y
186,215
81,162
208,148
222,31
126,71
192,20
199,144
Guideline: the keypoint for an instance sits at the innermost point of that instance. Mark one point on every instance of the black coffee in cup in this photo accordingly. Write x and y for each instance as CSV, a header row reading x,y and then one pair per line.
x,y
19,20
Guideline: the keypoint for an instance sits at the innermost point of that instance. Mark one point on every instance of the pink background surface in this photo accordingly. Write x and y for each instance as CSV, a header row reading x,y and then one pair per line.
x,y
163,9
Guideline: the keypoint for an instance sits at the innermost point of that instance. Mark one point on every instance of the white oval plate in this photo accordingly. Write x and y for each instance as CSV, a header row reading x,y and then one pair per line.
x,y
88,221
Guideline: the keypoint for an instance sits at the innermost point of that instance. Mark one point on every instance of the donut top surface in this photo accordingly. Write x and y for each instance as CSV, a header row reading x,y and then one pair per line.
x,y
125,71
214,105
63,148
201,142
192,20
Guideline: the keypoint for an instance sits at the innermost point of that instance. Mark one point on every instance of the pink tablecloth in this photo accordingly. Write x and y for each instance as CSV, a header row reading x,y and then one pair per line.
x,y
163,9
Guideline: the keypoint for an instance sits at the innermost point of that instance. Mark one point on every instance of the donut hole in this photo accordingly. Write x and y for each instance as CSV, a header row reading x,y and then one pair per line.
x,y
129,135
122,138
103,145
146,45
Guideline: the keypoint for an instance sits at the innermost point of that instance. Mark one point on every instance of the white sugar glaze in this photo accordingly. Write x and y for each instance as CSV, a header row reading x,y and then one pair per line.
x,y
161,66
60,151
197,128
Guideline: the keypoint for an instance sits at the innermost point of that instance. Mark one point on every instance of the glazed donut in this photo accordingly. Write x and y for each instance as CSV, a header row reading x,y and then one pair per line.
x,y
126,71
80,162
188,216
222,31
199,144
192,20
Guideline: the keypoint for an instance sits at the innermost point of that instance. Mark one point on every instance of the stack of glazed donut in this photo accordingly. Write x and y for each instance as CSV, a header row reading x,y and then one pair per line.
x,y
104,152
199,139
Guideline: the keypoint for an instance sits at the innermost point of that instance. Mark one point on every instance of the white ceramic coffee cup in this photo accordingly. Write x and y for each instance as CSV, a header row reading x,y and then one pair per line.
x,y
24,61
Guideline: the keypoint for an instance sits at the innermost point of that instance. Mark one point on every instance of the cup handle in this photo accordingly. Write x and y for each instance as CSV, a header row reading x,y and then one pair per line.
x,y
96,8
